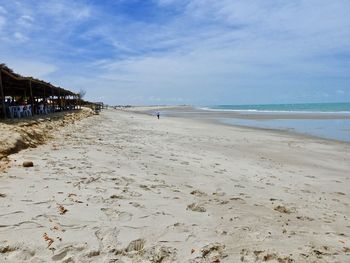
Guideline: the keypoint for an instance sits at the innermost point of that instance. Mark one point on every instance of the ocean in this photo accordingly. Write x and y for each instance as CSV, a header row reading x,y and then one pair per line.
x,y
329,128
294,108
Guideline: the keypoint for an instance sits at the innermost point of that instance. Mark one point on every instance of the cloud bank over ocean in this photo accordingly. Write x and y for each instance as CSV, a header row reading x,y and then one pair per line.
x,y
183,52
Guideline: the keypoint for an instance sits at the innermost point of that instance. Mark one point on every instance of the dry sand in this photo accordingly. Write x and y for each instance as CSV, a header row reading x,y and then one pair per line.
x,y
126,187
19,134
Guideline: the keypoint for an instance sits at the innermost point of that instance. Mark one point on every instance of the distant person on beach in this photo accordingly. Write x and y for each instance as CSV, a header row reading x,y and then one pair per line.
x,y
158,114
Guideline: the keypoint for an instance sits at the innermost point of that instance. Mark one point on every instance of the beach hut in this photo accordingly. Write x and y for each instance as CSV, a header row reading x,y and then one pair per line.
x,y
36,92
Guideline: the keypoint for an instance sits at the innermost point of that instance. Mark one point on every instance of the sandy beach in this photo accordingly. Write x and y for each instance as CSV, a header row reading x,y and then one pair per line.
x,y
126,187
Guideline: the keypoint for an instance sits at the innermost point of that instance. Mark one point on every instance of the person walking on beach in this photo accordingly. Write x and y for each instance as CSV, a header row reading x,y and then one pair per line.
x,y
158,114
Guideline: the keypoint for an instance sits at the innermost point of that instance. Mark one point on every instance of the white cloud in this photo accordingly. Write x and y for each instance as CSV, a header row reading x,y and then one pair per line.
x,y
218,49
25,21
3,10
18,36
3,13
166,2
2,22
65,10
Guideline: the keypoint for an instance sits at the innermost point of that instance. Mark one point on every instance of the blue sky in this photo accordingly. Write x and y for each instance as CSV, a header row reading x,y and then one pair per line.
x,y
198,52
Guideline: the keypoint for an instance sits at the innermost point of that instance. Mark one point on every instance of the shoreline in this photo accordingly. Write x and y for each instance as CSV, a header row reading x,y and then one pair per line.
x,y
197,112
284,132
218,116
126,186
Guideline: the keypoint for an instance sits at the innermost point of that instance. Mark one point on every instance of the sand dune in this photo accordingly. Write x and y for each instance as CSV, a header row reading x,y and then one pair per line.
x,y
16,135
126,187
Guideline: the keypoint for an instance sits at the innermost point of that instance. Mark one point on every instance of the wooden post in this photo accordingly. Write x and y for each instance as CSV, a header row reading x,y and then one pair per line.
x,y
2,96
44,97
31,96
52,100
59,100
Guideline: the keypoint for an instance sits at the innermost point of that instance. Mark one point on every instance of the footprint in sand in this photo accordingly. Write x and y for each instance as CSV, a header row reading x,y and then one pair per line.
x,y
136,245
145,187
198,193
310,176
108,239
263,256
135,204
283,209
117,197
214,252
115,214
134,194
305,218
219,193
196,208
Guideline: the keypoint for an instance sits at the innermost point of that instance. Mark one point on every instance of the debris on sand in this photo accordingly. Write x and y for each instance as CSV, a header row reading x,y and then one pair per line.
x,y
62,210
48,239
136,245
7,249
28,164
282,209
196,208
198,193
213,252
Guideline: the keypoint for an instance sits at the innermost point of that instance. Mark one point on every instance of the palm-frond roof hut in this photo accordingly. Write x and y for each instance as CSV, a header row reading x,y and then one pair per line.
x,y
15,84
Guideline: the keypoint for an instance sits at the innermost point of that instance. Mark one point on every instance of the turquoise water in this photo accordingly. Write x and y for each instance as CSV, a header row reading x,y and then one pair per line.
x,y
325,120
306,107
337,129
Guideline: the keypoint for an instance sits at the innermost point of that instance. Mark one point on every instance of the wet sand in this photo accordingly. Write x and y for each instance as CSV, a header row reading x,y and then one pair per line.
x,y
126,187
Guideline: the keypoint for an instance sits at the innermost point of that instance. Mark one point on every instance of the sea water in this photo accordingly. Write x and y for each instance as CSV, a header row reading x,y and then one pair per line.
x,y
293,108
337,129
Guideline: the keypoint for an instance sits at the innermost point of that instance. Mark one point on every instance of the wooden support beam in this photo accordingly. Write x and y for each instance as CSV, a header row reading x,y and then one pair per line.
x,y
31,96
52,100
2,96
79,101
59,100
64,101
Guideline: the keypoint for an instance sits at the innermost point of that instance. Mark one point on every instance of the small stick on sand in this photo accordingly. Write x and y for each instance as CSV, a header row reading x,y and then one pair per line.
x,y
48,239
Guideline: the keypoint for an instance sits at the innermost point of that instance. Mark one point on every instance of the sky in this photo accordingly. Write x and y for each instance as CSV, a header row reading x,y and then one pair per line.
x,y
198,52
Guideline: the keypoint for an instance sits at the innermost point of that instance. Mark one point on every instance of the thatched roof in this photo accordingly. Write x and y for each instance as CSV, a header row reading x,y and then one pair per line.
x,y
15,84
